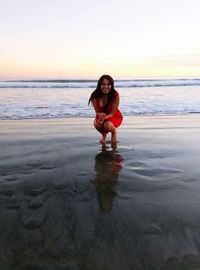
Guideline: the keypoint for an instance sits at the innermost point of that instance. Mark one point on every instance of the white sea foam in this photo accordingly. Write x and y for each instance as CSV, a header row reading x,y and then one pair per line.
x,y
38,103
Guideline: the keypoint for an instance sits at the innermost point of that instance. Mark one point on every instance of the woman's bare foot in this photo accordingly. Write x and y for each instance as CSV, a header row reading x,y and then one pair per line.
x,y
114,138
103,139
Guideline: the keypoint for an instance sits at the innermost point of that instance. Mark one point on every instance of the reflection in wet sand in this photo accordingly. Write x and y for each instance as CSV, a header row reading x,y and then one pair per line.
x,y
65,206
108,163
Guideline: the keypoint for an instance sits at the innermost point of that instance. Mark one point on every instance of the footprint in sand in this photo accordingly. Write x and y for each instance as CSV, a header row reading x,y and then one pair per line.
x,y
33,191
32,224
11,178
47,167
152,229
35,204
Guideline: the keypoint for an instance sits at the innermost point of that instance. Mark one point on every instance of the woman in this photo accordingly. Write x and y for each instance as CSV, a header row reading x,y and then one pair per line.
x,y
105,100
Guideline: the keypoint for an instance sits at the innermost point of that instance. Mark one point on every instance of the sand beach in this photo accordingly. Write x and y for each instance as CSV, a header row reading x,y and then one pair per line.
x,y
68,203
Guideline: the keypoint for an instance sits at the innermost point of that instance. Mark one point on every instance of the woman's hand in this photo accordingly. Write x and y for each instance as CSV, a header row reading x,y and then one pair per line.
x,y
100,118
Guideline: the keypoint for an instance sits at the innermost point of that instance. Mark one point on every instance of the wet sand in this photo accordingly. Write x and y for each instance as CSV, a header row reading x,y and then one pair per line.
x,y
68,203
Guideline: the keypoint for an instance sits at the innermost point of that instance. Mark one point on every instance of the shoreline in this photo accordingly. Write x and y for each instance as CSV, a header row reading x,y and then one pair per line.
x,y
68,202
93,116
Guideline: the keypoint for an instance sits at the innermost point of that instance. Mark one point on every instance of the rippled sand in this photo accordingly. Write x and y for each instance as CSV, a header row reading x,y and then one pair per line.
x,y
68,203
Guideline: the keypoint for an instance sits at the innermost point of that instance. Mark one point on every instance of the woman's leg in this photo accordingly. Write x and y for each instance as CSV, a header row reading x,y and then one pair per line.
x,y
109,127
101,129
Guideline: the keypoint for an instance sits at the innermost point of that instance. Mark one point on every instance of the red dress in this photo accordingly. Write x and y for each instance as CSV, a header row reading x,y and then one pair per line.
x,y
117,117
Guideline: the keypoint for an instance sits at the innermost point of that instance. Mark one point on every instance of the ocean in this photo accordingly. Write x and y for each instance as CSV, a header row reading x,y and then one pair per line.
x,y
43,99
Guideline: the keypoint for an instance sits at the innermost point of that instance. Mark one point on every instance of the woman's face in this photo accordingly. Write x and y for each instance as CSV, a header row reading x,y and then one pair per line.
x,y
105,86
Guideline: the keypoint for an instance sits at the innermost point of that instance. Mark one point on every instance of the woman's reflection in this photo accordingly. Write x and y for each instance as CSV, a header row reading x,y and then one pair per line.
x,y
108,163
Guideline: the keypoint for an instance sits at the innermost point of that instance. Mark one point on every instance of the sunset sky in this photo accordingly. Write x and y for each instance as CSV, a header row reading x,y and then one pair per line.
x,y
84,39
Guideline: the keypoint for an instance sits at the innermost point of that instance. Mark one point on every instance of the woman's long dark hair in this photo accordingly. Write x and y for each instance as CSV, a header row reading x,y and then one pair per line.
x,y
97,93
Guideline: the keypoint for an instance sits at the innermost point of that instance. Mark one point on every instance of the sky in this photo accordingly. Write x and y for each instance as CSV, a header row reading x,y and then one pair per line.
x,y
80,39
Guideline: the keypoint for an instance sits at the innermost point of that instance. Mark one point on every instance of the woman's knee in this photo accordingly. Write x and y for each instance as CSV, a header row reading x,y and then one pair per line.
x,y
109,126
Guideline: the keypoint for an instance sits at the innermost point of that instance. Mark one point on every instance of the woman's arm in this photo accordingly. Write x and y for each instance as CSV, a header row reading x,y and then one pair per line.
x,y
100,116
94,104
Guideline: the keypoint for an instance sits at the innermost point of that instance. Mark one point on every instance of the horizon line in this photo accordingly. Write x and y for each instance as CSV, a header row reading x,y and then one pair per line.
x,y
94,80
